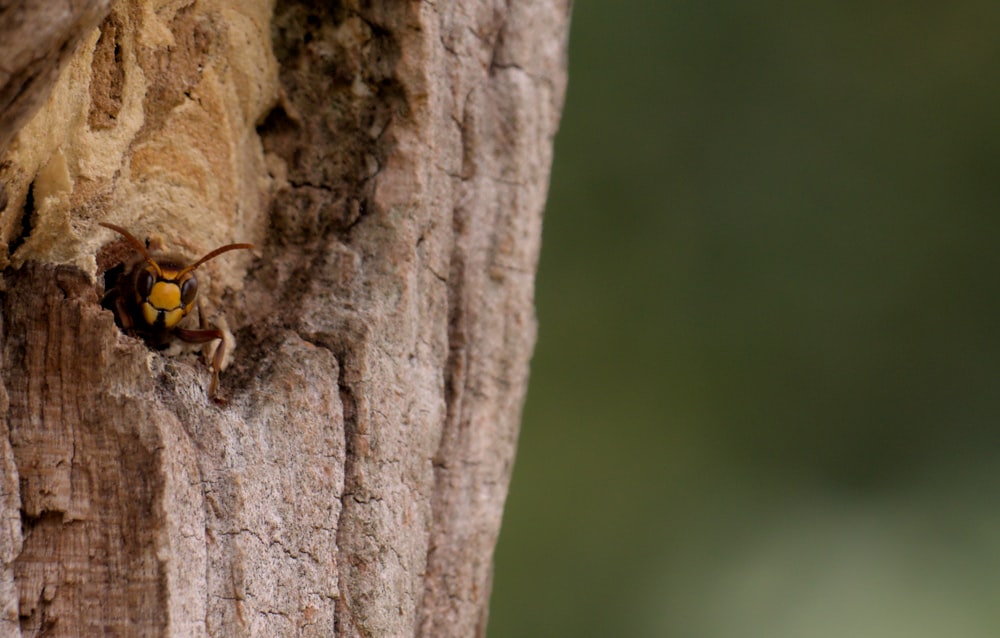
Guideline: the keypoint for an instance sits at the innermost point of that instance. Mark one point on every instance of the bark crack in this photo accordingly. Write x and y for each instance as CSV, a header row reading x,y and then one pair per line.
x,y
341,607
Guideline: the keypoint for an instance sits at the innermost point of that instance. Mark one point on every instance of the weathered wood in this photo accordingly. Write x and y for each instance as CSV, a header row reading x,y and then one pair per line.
x,y
88,500
391,164
36,40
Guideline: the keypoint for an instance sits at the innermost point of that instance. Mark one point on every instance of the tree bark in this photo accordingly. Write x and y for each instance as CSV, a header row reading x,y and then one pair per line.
x,y
390,162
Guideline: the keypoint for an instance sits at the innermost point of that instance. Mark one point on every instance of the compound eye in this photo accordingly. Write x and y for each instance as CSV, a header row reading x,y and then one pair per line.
x,y
189,290
144,283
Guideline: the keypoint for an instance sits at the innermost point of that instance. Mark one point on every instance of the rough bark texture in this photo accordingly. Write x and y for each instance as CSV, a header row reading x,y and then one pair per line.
x,y
390,162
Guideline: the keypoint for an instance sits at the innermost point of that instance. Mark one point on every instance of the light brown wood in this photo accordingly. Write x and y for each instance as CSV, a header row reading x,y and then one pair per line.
x,y
391,165
37,37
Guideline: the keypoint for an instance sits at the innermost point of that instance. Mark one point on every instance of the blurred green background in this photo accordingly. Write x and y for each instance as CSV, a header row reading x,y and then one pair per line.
x,y
765,396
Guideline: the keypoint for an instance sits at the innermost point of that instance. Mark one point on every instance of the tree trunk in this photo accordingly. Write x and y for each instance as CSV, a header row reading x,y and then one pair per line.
x,y
390,162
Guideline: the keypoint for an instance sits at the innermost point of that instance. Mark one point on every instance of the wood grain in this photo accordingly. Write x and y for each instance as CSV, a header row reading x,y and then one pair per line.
x,y
391,163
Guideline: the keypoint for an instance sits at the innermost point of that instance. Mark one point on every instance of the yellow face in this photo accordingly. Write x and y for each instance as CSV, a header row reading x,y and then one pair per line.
x,y
165,297
164,293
